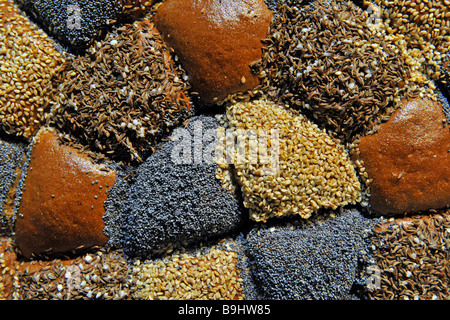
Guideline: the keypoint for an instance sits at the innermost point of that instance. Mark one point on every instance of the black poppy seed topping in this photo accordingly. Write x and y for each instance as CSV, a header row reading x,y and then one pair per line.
x,y
76,23
319,260
445,78
11,158
169,204
444,102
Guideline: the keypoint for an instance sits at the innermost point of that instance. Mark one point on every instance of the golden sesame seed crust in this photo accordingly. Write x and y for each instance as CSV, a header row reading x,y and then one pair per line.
x,y
28,63
314,170
424,25
211,275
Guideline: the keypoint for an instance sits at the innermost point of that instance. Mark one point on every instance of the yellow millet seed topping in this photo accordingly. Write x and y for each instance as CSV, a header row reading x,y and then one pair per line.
x,y
306,169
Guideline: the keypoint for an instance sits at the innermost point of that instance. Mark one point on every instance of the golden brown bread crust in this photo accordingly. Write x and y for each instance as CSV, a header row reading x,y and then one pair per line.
x,y
61,206
409,160
215,42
